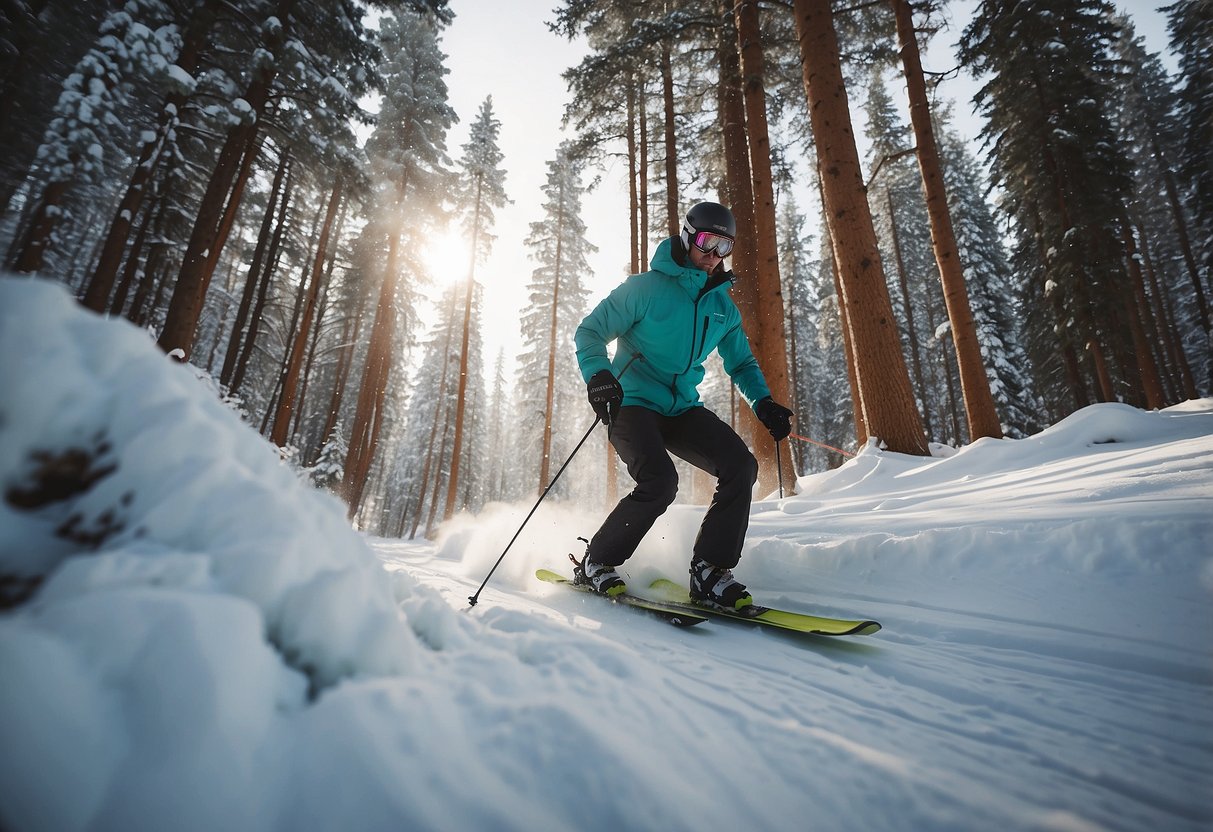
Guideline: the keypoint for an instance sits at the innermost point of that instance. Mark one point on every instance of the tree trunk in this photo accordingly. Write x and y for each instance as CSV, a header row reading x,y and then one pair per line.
x,y
643,183
1181,229
202,18
438,414
545,461
251,281
911,330
132,265
290,381
1137,307
739,193
341,377
671,142
266,278
771,333
1165,316
37,239
363,432
633,201
317,332
461,397
861,427
974,384
189,294
884,383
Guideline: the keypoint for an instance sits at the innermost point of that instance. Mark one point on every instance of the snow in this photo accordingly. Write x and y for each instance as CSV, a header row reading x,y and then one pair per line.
x,y
212,647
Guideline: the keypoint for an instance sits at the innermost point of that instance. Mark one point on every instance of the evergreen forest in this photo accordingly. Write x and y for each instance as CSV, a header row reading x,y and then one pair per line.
x,y
252,182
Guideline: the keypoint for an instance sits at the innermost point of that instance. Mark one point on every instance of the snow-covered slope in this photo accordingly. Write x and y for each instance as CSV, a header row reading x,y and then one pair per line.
x,y
198,641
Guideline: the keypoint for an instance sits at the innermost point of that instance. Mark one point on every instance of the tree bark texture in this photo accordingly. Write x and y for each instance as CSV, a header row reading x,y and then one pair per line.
x,y
974,383
290,380
772,333
884,383
189,294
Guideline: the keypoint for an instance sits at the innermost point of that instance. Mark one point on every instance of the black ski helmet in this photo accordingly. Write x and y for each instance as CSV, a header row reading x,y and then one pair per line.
x,y
708,216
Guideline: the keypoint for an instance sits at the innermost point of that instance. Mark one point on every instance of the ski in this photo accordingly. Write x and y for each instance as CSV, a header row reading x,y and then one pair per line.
x,y
678,615
678,596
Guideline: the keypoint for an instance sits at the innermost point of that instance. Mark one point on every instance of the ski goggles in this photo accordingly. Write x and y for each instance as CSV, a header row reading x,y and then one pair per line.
x,y
707,242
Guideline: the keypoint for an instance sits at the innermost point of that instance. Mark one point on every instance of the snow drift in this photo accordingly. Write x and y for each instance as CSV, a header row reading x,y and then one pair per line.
x,y
196,640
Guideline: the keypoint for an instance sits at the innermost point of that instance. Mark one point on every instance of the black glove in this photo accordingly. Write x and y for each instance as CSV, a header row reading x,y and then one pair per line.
x,y
606,395
775,417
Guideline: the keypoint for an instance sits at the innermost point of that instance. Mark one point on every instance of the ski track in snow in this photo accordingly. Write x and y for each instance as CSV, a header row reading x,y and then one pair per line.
x,y
946,719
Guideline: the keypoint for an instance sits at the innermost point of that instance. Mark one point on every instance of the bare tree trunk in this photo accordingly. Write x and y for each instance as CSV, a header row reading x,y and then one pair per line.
x,y
884,383
290,381
974,384
1107,390
771,334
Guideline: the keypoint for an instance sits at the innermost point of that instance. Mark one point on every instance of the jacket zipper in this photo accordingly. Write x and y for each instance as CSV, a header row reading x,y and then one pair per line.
x,y
703,338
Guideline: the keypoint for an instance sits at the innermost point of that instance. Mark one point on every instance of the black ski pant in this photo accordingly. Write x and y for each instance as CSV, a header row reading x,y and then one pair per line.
x,y
644,440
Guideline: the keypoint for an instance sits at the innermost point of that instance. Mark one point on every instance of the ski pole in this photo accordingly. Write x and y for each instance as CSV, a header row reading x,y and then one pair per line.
x,y
472,599
779,469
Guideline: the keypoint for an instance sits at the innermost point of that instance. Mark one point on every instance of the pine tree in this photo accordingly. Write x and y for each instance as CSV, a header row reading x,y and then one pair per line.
x,y
1157,217
88,127
979,404
552,393
797,267
1055,153
1190,23
408,159
482,186
883,383
991,284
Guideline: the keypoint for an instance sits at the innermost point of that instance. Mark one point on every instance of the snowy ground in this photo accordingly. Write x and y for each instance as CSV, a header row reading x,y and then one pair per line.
x,y
210,646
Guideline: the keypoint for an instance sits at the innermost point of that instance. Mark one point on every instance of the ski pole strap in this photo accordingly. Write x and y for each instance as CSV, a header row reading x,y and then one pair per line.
x,y
820,444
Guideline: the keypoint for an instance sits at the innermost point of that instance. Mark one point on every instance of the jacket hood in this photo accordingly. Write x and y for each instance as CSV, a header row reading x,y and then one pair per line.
x,y
671,259
666,260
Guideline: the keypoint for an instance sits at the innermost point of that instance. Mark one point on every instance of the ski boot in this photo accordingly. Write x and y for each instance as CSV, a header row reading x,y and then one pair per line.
x,y
715,586
599,577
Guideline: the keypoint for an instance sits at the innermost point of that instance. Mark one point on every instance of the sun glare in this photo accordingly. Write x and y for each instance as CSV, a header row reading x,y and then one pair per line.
x,y
445,257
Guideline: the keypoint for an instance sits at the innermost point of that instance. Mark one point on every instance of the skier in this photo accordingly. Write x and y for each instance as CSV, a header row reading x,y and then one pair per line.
x,y
667,322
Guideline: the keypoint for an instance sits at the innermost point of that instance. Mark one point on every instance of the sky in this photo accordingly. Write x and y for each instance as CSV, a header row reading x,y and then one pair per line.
x,y
517,60
211,646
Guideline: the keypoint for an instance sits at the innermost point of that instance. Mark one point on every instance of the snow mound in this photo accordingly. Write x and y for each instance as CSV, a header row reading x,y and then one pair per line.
x,y
172,584
121,471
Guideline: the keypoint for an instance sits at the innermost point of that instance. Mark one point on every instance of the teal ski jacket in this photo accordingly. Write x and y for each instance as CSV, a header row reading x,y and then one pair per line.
x,y
673,316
